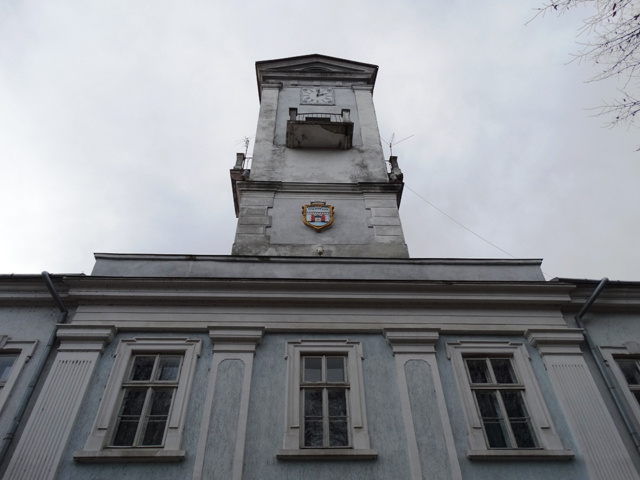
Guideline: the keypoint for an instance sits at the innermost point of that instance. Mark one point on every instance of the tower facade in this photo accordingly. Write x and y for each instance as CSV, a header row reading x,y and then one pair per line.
x,y
318,183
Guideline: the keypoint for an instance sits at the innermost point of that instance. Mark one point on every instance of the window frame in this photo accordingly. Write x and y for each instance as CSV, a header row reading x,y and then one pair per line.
x,y
150,387
632,387
628,351
548,441
323,385
98,446
493,386
23,350
359,442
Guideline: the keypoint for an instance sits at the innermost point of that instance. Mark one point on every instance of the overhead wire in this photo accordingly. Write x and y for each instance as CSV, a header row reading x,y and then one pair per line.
x,y
463,226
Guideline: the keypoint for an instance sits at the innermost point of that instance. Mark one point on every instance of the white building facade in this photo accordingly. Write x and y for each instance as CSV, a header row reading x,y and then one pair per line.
x,y
319,349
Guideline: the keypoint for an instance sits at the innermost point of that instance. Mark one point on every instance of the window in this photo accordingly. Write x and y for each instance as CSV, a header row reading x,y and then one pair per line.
x,y
499,398
624,362
631,372
325,411
147,396
324,396
6,362
13,356
504,409
142,413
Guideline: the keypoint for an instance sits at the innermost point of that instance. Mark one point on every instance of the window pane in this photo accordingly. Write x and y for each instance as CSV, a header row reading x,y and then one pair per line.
x,y
335,369
514,404
142,368
313,433
523,434
133,401
126,432
313,402
495,434
478,371
488,404
6,362
338,433
158,415
492,419
312,369
154,433
337,403
168,368
630,370
503,371
130,411
161,401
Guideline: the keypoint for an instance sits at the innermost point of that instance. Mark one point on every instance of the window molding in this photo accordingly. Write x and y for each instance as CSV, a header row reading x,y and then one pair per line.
x,y
23,351
359,447
97,446
627,351
549,444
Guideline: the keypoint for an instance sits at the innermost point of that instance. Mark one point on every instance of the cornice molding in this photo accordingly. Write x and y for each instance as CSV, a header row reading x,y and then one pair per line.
x,y
84,338
324,188
30,290
412,340
617,298
307,292
556,342
237,339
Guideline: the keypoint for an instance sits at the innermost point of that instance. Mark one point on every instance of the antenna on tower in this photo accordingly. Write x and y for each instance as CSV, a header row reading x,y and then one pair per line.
x,y
246,145
391,143
246,141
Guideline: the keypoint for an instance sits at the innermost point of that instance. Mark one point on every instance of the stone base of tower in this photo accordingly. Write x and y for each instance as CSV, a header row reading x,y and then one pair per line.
x,y
365,222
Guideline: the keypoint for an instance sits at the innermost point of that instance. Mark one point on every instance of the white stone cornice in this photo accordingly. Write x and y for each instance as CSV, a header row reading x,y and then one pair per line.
x,y
269,291
555,341
614,298
238,339
84,338
414,341
29,290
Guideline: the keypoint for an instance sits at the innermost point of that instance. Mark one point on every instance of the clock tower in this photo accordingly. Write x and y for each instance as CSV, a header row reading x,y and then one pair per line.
x,y
317,183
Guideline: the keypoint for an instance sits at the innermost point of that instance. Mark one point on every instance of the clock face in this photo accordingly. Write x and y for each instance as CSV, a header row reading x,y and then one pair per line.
x,y
317,96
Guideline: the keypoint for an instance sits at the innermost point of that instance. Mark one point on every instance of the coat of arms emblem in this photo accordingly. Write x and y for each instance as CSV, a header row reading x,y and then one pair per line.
x,y
317,215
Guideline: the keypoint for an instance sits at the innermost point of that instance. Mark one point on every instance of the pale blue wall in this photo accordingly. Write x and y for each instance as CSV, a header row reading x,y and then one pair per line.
x,y
71,470
266,421
513,470
266,418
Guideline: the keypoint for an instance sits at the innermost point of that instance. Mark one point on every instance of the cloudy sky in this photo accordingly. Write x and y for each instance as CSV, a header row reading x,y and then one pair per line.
x,y
120,120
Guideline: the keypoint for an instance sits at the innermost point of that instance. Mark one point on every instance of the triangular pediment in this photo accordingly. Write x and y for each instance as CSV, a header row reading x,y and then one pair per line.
x,y
315,67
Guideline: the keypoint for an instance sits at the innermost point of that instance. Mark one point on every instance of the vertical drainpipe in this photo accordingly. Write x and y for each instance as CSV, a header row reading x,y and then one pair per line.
x,y
597,355
6,441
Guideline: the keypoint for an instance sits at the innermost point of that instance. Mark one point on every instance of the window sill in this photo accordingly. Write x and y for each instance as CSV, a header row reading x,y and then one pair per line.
x,y
129,455
327,454
515,454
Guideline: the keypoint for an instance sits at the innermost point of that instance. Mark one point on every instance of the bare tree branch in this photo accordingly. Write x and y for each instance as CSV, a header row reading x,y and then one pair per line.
x,y
610,39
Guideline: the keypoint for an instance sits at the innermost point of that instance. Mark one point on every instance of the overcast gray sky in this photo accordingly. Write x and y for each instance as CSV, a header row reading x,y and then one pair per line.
x,y
120,120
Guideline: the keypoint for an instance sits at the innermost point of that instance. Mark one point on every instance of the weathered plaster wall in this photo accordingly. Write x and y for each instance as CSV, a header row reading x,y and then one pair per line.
x,y
519,470
272,161
25,324
266,417
71,470
612,329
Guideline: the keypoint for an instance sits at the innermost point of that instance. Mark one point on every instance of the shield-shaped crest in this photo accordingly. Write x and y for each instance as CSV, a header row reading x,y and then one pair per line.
x,y
317,215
